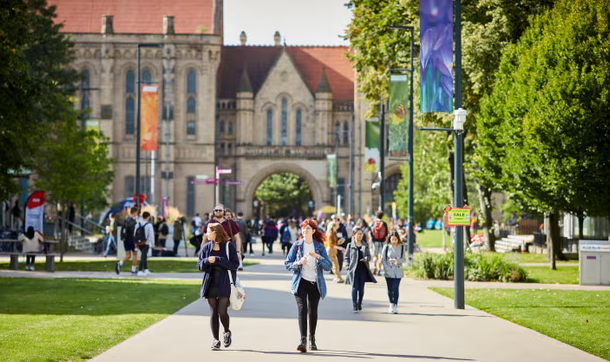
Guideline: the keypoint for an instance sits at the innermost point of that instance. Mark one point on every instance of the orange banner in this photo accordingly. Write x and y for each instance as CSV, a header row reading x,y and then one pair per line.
x,y
149,117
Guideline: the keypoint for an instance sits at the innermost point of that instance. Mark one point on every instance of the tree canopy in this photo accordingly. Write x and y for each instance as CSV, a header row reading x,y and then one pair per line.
x,y
283,194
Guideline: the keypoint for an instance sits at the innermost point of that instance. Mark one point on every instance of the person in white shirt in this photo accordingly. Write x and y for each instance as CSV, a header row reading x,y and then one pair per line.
x,y
150,242
32,243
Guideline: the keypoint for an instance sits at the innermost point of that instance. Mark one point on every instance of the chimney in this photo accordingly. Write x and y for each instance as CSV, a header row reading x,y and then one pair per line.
x,y
277,38
107,24
243,38
168,25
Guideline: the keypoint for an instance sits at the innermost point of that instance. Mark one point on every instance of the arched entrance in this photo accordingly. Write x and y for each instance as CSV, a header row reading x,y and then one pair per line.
x,y
316,189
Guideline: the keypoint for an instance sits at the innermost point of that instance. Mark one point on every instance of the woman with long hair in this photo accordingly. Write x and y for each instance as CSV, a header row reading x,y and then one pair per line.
x,y
333,248
308,260
357,257
32,243
215,259
392,257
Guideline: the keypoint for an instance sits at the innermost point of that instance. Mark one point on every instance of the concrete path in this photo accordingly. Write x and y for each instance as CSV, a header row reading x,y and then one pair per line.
x,y
427,327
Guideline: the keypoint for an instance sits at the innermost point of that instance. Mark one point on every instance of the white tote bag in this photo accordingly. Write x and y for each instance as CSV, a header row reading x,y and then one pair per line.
x,y
238,294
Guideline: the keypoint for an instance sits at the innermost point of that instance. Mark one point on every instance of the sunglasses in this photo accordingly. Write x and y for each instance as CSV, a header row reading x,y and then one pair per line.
x,y
218,210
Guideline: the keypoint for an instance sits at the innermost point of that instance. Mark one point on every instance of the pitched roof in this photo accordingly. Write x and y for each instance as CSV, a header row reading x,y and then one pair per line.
x,y
309,60
135,16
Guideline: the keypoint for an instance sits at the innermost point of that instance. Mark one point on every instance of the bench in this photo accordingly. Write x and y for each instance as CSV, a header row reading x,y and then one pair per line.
x,y
14,254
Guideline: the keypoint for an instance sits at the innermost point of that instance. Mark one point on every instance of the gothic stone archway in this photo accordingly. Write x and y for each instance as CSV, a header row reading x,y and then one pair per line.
x,y
318,192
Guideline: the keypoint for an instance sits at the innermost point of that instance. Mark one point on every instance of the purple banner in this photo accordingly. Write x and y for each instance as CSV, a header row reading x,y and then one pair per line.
x,y
436,55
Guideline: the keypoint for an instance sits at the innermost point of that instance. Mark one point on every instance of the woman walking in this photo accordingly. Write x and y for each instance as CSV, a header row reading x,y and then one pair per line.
x,y
392,257
333,251
307,259
357,258
215,260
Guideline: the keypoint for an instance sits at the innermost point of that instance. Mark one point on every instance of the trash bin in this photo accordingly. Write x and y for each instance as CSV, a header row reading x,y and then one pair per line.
x,y
594,262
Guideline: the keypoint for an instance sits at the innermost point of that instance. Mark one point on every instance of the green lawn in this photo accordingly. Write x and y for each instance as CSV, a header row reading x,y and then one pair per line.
x,y
155,265
77,319
433,239
544,274
579,318
537,258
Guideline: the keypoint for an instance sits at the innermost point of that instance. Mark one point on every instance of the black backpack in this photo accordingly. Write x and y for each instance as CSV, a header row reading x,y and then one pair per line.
x,y
127,230
140,234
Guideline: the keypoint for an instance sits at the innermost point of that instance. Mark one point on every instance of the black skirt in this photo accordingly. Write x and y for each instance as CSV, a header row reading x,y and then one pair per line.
x,y
213,290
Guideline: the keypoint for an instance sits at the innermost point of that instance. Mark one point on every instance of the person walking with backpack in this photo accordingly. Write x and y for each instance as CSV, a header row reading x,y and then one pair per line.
x,y
127,235
145,239
307,259
392,257
216,260
379,232
357,257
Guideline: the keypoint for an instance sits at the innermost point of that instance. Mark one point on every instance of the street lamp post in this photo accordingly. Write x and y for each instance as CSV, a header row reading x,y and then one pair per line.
x,y
138,123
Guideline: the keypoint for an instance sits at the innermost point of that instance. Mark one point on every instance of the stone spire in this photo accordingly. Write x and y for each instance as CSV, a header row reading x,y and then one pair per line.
x,y
277,38
244,83
243,38
323,85
107,27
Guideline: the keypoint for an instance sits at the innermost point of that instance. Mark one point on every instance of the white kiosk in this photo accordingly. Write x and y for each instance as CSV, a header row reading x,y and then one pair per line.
x,y
594,262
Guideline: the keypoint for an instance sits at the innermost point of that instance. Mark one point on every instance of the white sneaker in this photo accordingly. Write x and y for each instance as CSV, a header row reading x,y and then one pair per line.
x,y
141,274
32,268
395,311
147,272
391,309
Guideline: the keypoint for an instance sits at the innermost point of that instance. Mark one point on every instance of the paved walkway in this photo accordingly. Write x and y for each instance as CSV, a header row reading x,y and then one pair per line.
x,y
427,327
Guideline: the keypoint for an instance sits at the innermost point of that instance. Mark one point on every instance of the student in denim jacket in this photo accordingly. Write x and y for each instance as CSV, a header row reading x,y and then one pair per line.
x,y
357,257
308,260
392,257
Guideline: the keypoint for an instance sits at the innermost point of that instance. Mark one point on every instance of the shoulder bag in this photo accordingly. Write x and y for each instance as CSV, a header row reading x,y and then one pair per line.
x,y
238,294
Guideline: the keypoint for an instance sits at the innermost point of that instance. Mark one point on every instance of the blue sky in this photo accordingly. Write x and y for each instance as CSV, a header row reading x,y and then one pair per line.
x,y
300,22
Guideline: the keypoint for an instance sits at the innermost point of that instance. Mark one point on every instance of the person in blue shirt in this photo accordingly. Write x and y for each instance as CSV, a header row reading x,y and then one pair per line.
x,y
308,260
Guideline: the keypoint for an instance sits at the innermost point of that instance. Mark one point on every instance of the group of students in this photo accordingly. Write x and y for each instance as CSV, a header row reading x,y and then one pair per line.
x,y
308,259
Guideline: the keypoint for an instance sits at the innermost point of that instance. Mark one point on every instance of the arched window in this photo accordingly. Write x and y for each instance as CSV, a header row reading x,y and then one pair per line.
x,y
284,122
190,128
298,126
345,133
222,148
85,104
269,127
221,127
146,77
191,82
337,132
130,119
230,128
191,105
130,82
85,82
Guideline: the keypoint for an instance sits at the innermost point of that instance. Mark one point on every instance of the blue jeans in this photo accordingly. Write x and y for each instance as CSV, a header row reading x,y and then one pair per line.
x,y
358,285
393,285
110,243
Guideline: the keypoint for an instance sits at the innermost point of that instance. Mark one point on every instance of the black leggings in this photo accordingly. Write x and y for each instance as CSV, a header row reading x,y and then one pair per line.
x,y
218,310
144,257
307,292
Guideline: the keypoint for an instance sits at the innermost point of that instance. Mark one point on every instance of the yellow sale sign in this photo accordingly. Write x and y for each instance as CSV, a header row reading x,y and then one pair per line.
x,y
457,216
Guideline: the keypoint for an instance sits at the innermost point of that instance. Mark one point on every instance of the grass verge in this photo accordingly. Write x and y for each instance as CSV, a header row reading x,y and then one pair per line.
x,y
107,265
545,275
77,319
580,318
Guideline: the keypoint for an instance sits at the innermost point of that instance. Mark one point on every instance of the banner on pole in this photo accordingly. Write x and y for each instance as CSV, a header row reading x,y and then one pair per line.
x,y
371,145
436,55
399,101
34,211
149,117
331,168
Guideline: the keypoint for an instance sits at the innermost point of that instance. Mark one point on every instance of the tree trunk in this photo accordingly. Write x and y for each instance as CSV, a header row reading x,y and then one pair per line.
x,y
555,242
581,222
486,208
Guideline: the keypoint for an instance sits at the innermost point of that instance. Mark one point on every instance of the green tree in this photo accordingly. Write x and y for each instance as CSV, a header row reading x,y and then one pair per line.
x,y
34,83
488,26
73,165
545,129
282,193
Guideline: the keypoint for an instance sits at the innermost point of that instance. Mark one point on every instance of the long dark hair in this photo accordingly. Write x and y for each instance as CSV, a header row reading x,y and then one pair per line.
x,y
318,235
29,233
394,233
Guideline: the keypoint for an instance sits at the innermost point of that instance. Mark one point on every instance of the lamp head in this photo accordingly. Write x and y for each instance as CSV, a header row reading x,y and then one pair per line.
x,y
460,118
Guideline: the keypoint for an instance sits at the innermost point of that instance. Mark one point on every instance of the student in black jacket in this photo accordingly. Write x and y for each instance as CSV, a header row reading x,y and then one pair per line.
x,y
216,287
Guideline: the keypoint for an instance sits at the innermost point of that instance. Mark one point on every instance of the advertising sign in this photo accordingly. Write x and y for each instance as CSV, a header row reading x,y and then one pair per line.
x,y
457,216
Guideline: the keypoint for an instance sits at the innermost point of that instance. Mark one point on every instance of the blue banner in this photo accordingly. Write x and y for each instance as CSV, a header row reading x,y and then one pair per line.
x,y
436,55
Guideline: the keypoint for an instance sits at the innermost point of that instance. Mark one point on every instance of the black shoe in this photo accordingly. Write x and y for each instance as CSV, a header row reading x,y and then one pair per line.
x,y
312,343
355,308
359,306
226,339
117,268
215,344
301,347
240,269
